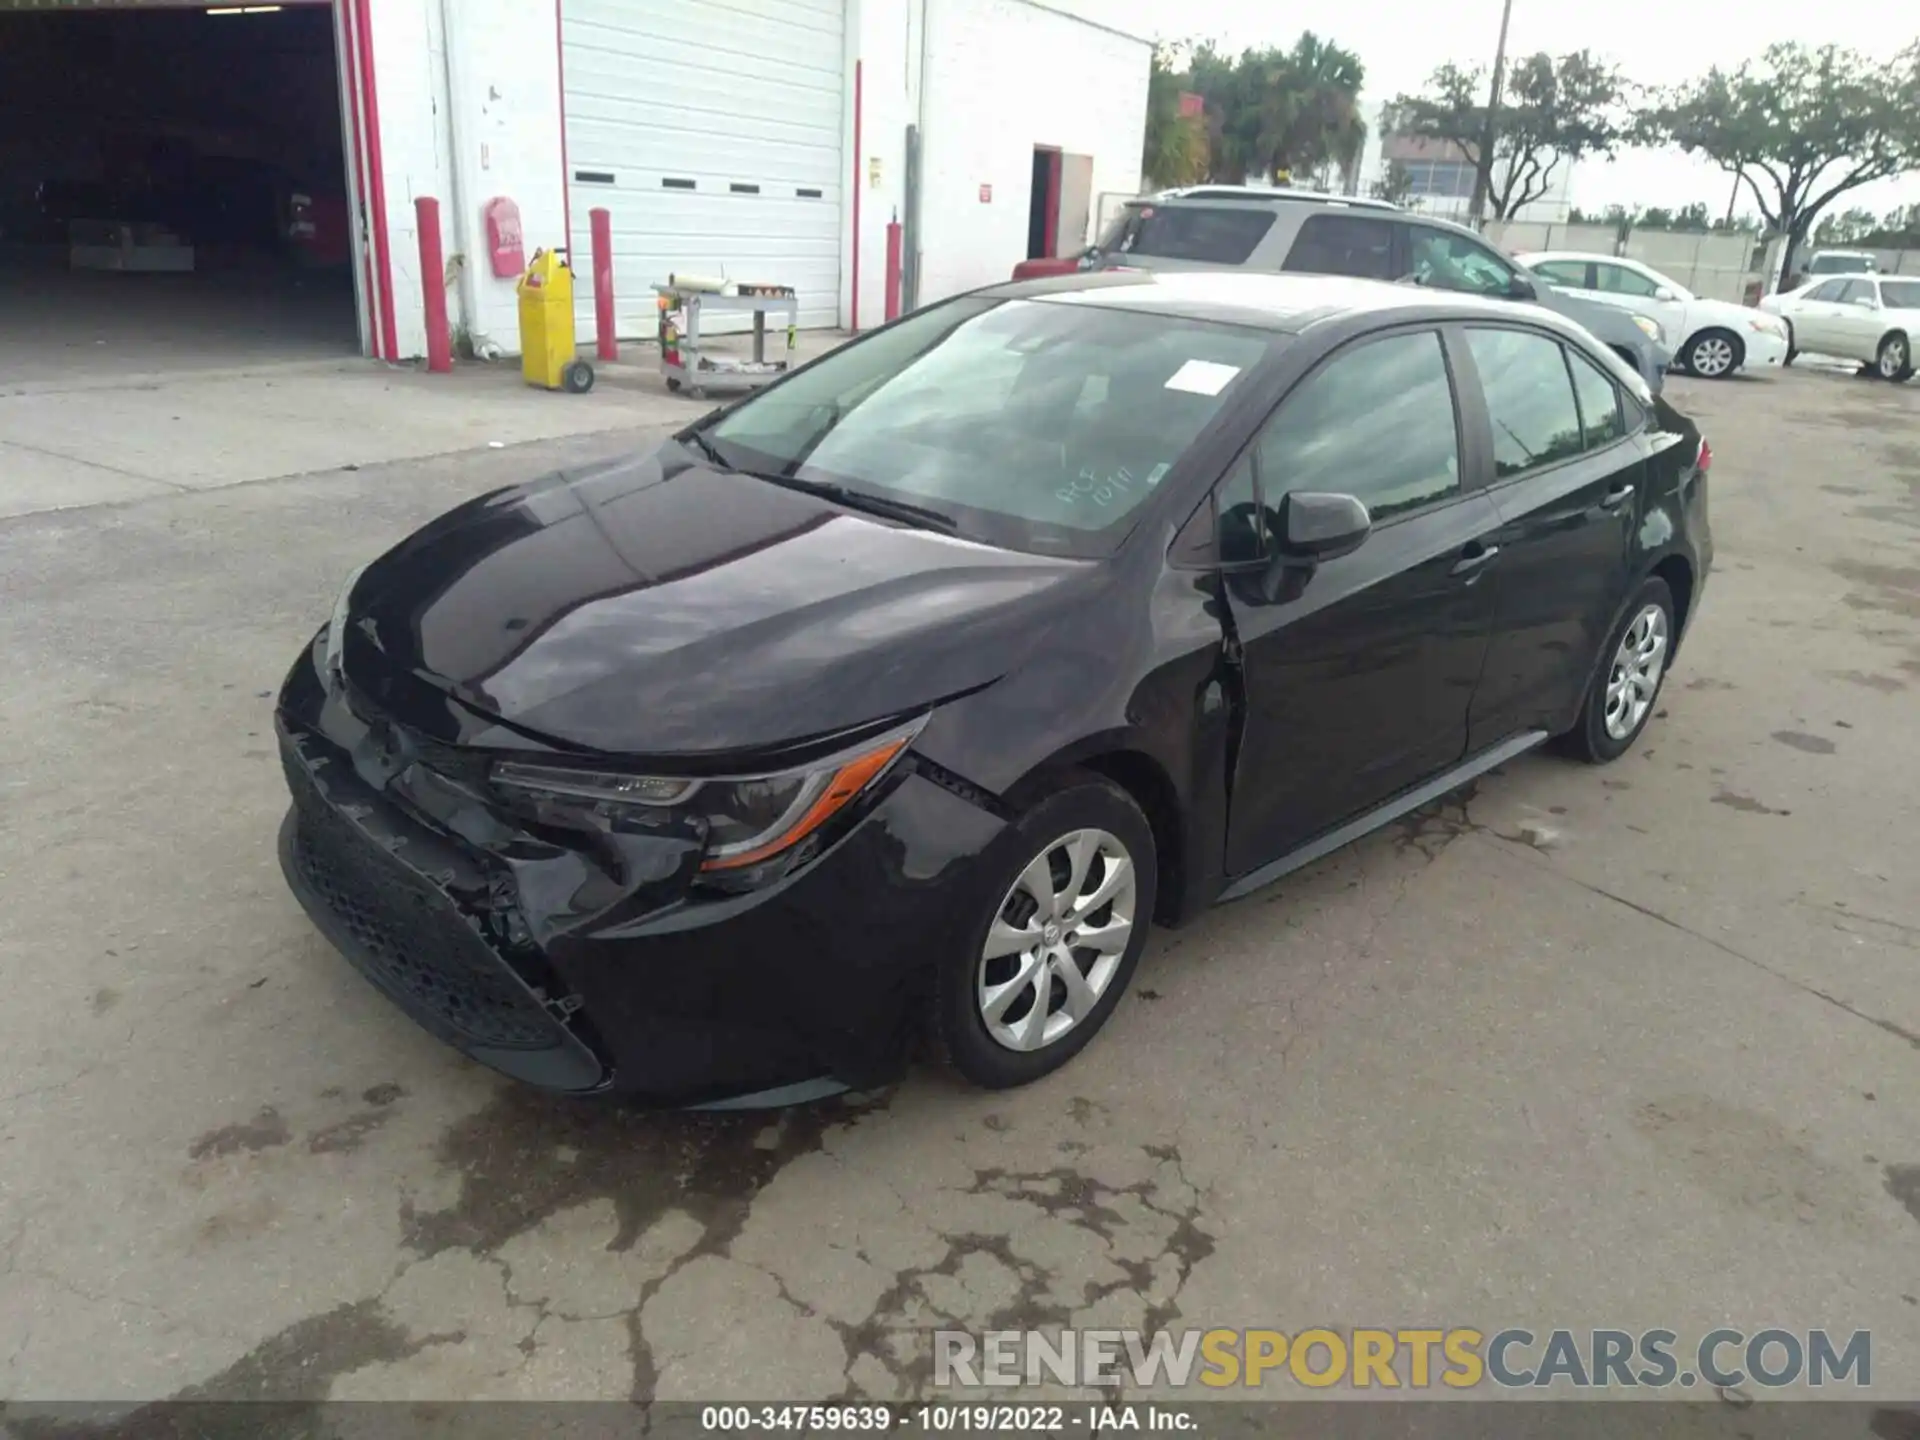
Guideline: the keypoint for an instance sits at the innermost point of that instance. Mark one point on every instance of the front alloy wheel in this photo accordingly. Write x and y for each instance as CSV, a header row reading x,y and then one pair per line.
x,y
1713,356
1894,362
1056,942
1063,903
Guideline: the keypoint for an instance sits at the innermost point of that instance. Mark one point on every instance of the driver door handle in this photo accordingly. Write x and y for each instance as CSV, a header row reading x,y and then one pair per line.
x,y
1618,496
1475,558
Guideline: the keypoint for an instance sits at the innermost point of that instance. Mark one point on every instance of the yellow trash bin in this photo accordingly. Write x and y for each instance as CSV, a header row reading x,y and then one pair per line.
x,y
549,356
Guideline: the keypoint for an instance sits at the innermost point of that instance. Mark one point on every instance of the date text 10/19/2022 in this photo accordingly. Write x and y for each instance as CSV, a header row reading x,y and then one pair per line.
x,y
942,1419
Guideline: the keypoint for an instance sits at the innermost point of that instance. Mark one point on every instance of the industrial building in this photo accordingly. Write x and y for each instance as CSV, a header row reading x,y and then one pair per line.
x,y
243,178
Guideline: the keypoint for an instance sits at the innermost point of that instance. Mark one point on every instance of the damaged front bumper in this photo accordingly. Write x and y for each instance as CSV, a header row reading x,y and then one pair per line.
x,y
579,965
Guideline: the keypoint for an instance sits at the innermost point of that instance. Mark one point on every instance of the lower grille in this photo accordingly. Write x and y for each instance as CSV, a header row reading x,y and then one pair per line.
x,y
413,941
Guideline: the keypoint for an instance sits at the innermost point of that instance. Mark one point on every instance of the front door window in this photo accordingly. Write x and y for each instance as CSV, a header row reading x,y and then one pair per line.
x,y
1457,262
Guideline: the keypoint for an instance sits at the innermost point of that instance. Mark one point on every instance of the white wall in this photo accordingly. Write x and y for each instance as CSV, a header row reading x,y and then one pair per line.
x,y
476,113
504,63
1003,77
462,122
409,76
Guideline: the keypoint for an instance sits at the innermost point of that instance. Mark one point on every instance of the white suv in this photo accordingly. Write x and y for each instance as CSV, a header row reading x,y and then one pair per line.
x,y
1221,227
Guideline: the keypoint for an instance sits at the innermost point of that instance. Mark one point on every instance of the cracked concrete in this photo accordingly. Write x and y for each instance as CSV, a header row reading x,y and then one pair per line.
x,y
1572,1047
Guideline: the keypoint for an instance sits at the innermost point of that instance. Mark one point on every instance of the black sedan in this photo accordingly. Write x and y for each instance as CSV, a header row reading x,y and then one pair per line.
x,y
899,698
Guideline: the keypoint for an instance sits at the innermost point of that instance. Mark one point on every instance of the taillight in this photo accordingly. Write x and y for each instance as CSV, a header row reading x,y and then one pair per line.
x,y
1703,462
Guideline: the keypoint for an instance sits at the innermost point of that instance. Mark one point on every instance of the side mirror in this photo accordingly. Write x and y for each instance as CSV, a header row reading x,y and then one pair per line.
x,y
1661,292
1309,528
1316,526
1521,288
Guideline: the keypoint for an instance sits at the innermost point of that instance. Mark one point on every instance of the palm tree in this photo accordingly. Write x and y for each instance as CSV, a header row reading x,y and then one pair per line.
x,y
1309,108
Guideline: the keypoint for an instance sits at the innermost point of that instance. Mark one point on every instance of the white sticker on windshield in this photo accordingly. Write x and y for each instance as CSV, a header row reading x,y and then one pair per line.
x,y
1202,377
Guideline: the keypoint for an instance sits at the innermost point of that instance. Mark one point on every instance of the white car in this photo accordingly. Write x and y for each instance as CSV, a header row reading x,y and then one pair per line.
x,y
1874,319
1709,338
1840,262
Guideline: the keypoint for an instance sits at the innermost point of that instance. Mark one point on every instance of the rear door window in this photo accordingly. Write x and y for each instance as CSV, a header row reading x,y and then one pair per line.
x,y
1565,272
1619,280
1448,261
1215,234
1529,398
1900,294
1343,245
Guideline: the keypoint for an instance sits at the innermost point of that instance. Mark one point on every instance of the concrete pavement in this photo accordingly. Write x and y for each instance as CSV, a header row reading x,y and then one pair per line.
x,y
1631,1046
110,437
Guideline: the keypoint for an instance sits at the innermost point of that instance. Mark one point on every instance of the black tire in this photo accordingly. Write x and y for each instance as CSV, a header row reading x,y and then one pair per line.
x,y
957,1027
1691,358
577,377
1589,739
673,385
1894,359
1792,353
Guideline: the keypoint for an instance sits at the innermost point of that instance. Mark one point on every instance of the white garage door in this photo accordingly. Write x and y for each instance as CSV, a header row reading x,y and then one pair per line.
x,y
711,132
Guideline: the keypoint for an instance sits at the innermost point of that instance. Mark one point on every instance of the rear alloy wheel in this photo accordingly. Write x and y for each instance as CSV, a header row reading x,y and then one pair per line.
x,y
1071,886
1894,360
1627,683
1713,354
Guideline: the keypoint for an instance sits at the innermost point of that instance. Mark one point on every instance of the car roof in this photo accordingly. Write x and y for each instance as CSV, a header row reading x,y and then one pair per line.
x,y
1260,195
1283,303
1593,255
1847,254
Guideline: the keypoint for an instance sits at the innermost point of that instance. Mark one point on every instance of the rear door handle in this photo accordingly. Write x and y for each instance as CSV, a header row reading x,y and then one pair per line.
x,y
1475,558
1618,496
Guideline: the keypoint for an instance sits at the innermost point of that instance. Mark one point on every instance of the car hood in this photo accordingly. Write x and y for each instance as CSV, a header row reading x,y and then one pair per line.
x,y
1611,323
656,606
1703,311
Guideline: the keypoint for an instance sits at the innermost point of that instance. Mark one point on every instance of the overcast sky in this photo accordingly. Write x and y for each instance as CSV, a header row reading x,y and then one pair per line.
x,y
1656,42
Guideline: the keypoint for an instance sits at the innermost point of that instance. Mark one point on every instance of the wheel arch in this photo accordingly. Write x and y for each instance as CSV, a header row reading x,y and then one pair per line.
x,y
1149,783
1677,571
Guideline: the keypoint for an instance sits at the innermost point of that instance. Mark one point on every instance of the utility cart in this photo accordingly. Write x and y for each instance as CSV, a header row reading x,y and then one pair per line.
x,y
689,366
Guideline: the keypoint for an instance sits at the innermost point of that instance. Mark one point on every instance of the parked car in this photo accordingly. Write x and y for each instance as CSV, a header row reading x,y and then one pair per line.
x,y
902,695
1220,227
1874,319
1714,338
1841,262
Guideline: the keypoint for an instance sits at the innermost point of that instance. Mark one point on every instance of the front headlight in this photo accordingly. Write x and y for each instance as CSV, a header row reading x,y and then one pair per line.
x,y
1767,325
749,819
1651,329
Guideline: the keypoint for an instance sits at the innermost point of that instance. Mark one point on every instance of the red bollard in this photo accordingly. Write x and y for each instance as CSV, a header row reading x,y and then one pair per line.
x,y
894,239
433,284
603,283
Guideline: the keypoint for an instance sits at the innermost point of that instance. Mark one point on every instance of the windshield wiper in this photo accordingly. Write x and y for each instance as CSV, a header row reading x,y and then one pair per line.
x,y
922,515
698,439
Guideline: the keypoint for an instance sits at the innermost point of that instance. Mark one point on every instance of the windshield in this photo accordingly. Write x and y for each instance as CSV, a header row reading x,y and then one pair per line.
x,y
1841,265
1900,294
1215,234
1035,425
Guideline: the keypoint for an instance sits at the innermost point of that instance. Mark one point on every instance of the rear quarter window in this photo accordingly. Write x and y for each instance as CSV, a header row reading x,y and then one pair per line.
x,y
1900,294
1218,235
1343,245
